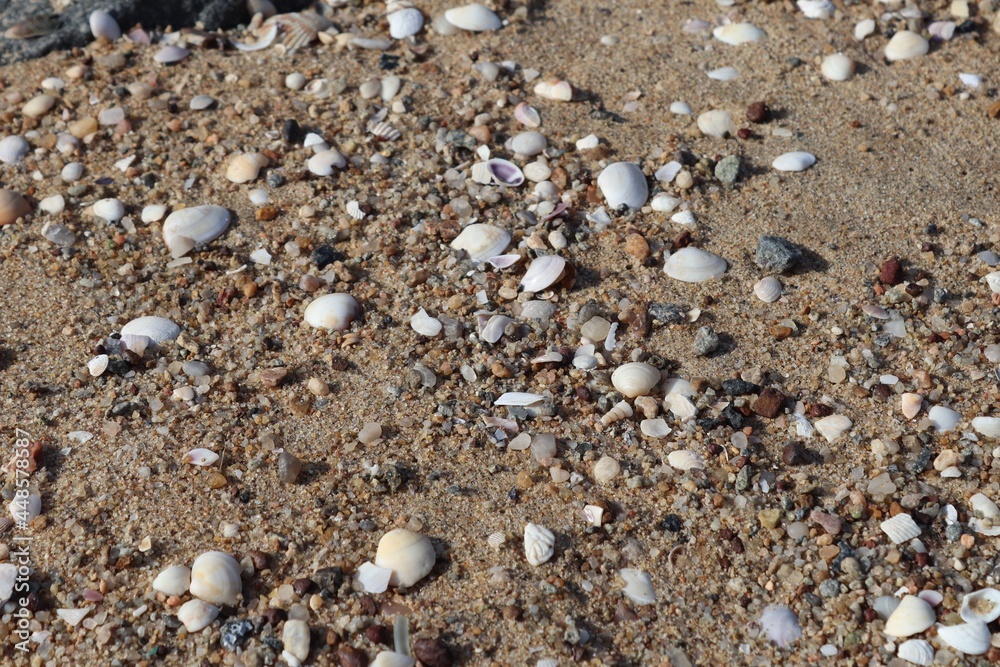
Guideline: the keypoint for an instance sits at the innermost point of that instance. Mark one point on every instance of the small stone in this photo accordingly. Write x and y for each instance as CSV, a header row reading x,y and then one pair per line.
x,y
737,387
295,639
289,468
777,254
432,653
769,518
637,246
348,656
668,313
891,272
758,112
377,634
273,377
830,523
769,403
794,454
780,331
318,387
234,633
728,169
706,341
606,469
302,586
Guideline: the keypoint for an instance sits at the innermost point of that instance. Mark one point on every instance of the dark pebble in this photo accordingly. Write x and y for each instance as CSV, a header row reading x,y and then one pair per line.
x,y
275,179
234,633
668,313
738,387
432,653
758,112
290,131
770,403
259,559
348,656
368,605
329,580
891,272
734,417
673,523
777,254
302,586
794,454
274,616
324,255
819,410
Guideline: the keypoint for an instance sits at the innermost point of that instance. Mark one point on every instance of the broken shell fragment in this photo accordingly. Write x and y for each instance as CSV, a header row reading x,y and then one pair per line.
x,y
781,625
968,638
408,554
482,241
554,89
900,528
539,544
982,605
694,265
201,457
188,227
324,162
98,365
635,379
739,33
424,324
245,168
912,616
987,426
174,580
333,312
638,586
768,289
197,615
833,427
623,183
156,329
716,123
215,578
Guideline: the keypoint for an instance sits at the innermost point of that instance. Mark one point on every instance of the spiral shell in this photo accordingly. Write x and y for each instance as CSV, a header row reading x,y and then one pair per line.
x,y
384,130
768,289
635,379
621,410
246,167
539,544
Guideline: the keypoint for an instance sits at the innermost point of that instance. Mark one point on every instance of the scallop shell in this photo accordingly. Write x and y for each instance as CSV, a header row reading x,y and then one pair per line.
x,y
968,638
496,540
911,617
482,241
424,324
739,33
987,426
635,379
539,544
246,167
685,459
983,605
384,130
473,17
297,29
900,528
186,228
794,161
354,210
215,578
504,172
201,457
623,183
781,625
768,289
197,615
12,207
156,329
175,580
544,272
905,45
917,652
943,419
13,149
111,210
333,312
716,123
408,554
527,115
405,22
621,410
837,67
833,427
909,404
554,89
694,265
324,162
104,25
638,586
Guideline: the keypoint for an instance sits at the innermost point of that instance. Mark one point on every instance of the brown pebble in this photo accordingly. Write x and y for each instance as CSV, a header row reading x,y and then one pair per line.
x,y
921,559
994,110
348,656
273,377
377,634
274,616
624,613
781,332
870,615
891,272
217,481
682,240
744,133
309,283
770,403
758,112
289,467
266,213
818,410
794,454
637,246
368,605
914,289
302,586
432,653
259,559
512,612
993,655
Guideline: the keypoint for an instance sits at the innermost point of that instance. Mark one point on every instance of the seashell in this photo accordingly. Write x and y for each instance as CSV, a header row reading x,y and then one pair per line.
x,y
527,115
111,210
24,509
482,241
519,399
621,410
664,203
680,108
528,143
968,638
201,457
905,45
543,272
104,25
985,517
942,30
694,265
993,280
537,310
983,605
215,578
321,89
680,406
900,528
175,580
473,17
197,615
323,163
716,123
384,130
588,142
493,330
864,28
654,428
837,67
794,161
392,659
593,514
987,426
739,33
909,404
724,74
171,54
71,172
188,227
354,210
970,80
685,459
12,207
504,172
424,324
917,652
943,419
38,105
635,379
98,365
539,544
623,183
911,617
816,9
153,212
885,605
246,167
638,586
333,312
157,329
878,312
496,540
768,289
373,579
554,89
13,149
53,83
781,625
408,554
111,116
34,26
405,22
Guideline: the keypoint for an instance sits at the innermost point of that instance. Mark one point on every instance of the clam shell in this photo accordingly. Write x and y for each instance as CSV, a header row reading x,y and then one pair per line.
x,y
635,379
333,312
354,210
171,54
519,398
408,554
983,605
111,210
157,329
911,617
638,586
539,544
12,207
482,241
884,605
816,9
504,172
694,265
623,183
943,419
197,615
529,143
837,67
71,172
987,426
716,123
527,115
685,459
424,324
909,404
543,272
153,213
246,167
900,528
324,162
104,25
554,89
669,171
864,28
316,143
493,330
215,578
739,33
833,427
473,17
768,289
25,509
968,638
993,280
13,149
175,580
201,457
186,228
781,625
98,365
917,652
986,516
794,161
405,22
905,45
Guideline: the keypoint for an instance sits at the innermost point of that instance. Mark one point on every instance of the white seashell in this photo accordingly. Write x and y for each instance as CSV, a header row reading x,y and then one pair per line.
x,y
405,22
528,143
539,544
900,528
246,167
885,605
683,218
987,426
384,130
98,365
321,89
694,265
197,615
680,108
324,162
588,142
215,578
667,172
986,516
794,161
943,419
543,272
527,115
968,638
680,406
917,652
71,172
104,25
623,183
739,33
909,404
864,28
768,289
493,330
983,605
13,149
258,196
482,241
53,83
685,459
171,54
654,428
333,312
781,625
504,172
816,9
621,410
837,67
26,508
408,554
941,30
496,540
473,17
175,580
716,123
392,659
970,80
638,586
519,398
724,74
156,329
201,457
635,379
109,209
424,324
664,203
554,89
186,228
905,45
833,427
912,616
201,102
354,210
373,579
153,213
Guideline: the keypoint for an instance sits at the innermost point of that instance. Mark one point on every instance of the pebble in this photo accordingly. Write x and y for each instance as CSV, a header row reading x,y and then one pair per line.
x,y
777,254
727,170
706,341
295,639
606,469
891,272
770,403
758,112
289,468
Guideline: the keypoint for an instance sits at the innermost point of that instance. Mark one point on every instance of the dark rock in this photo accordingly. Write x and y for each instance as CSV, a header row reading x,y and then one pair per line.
x,y
777,254
706,341
734,417
348,656
324,255
673,523
891,272
770,403
433,653
377,634
668,313
794,454
740,387
758,112
234,633
302,586
329,580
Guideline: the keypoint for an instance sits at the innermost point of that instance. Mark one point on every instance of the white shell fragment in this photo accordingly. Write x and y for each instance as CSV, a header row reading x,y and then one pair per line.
x,y
987,426
694,265
837,67
188,227
111,210
554,89
245,168
739,33
968,638
373,579
943,419
197,615
781,625
716,123
473,17
638,586
519,398
171,54
543,272
482,241
156,329
324,162
98,365
900,528
539,544
685,459
864,28
724,74
408,554
392,659
911,617
905,45
201,457
424,324
986,519
215,578
153,213
768,289
794,161
833,427
333,312
917,652
623,183
175,580
982,605
635,379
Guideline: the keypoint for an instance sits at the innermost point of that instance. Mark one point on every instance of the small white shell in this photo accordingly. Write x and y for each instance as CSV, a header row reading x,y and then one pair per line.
x,y
333,312
392,659
354,210
768,289
638,586
987,426
25,509
917,652
529,143
171,54
543,272
98,365
71,172
781,625
215,578
153,213
527,115
716,123
384,130
986,516
493,330
794,161
983,605
156,329
635,379
943,419
197,615
993,280
104,25
111,210
473,17
482,241
519,398
504,172
900,528
408,554
739,33
664,203
905,45
554,89
496,540
724,74
685,459
909,404
539,544
683,218
969,638
680,406
816,9
405,22
864,28
245,168
623,183
13,149
694,265
620,410
174,580
833,427
911,617
201,457
654,428
837,67
186,228
424,324
324,162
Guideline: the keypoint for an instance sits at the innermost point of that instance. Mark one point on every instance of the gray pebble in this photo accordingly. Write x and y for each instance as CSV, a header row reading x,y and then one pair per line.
x,y
728,169
706,341
777,254
668,313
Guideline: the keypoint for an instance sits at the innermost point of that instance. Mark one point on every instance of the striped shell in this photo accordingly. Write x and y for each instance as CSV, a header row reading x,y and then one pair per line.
x,y
13,149
621,410
539,544
296,29
496,540
635,379
900,528
685,459
384,130
969,638
354,210
917,651
544,272
768,289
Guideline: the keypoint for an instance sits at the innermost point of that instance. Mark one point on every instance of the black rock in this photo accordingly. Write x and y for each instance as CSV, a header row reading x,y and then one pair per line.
x,y
235,633
777,254
328,580
673,523
324,255
740,387
733,417
668,313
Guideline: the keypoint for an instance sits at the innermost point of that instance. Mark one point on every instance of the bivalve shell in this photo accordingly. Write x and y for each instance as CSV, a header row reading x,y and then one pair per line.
x,y
768,289
153,213
157,329
900,528
685,459
392,659
482,241
716,123
554,89
104,25
215,578
405,22
175,580
638,586
201,457
694,265
983,605
13,149
12,207
539,544
635,379
98,365
324,162
739,33
527,115
197,615
71,172
968,638
781,625
408,554
333,312
186,228
911,617
529,143
473,17
986,519
504,172
544,272
111,210
424,324
623,183
917,652
905,45
794,161
987,426
246,167
837,67
943,419
171,54
494,328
